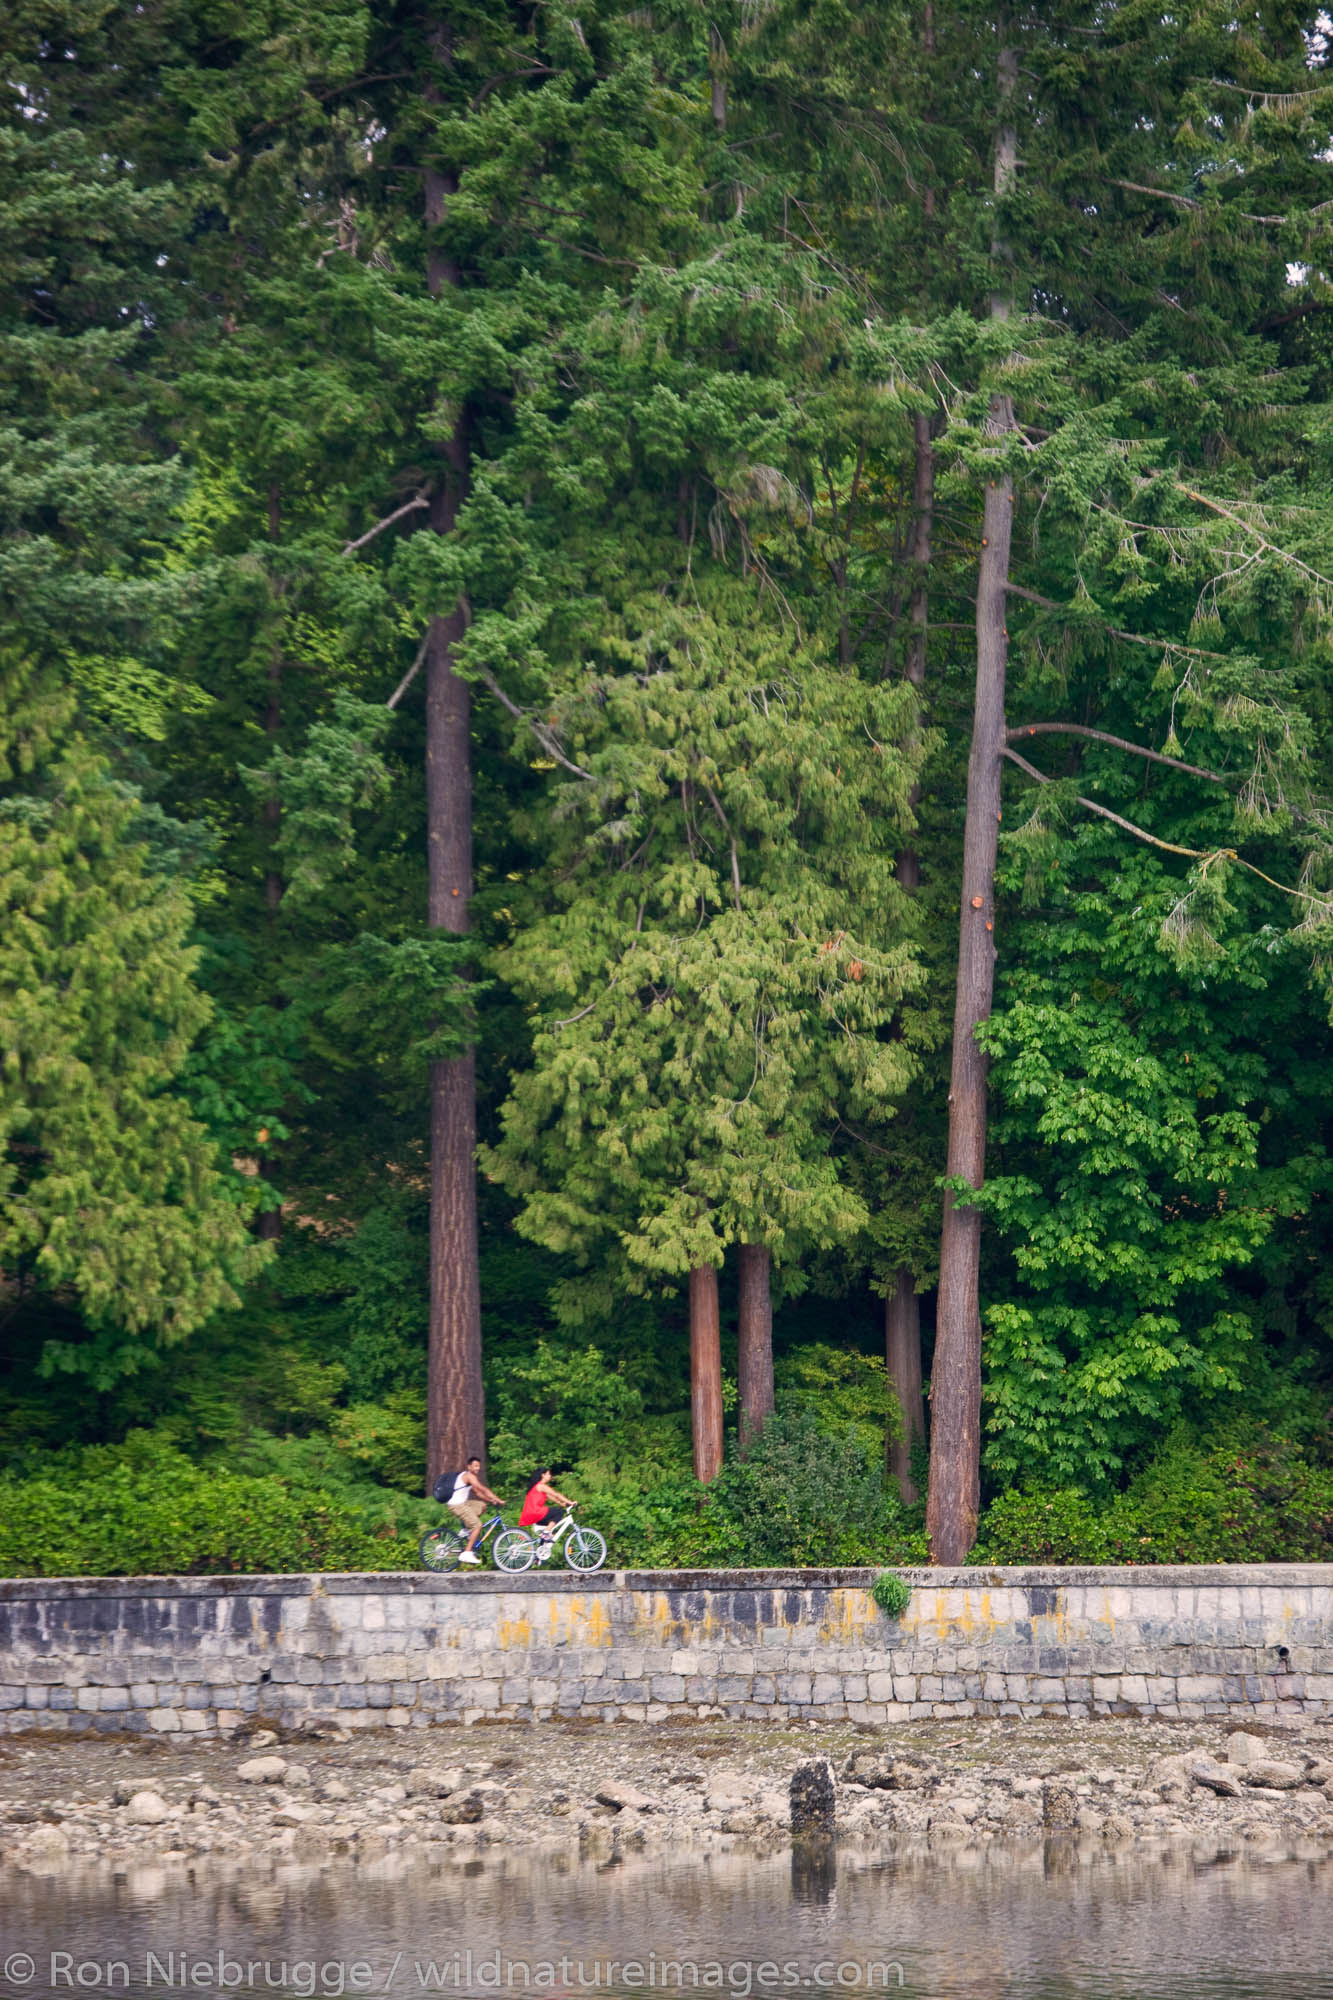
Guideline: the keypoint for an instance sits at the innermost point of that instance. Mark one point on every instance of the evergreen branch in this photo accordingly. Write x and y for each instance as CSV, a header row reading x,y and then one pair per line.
x,y
1187,201
1116,743
1268,548
1163,194
409,507
411,674
1204,854
1284,99
1116,631
1139,833
539,729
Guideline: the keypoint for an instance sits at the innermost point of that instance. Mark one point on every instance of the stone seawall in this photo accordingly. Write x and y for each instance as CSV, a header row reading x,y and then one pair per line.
x,y
209,1654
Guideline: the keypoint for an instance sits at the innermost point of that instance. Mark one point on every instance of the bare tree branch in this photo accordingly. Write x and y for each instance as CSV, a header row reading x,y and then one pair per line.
x,y
1115,631
726,828
1116,743
1246,527
412,506
1139,833
411,674
1167,846
539,729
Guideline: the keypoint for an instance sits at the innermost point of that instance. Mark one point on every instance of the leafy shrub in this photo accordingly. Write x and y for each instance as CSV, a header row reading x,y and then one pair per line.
x,y
1063,1526
801,1496
844,1388
1246,1496
555,1407
1241,1495
147,1510
387,1440
891,1594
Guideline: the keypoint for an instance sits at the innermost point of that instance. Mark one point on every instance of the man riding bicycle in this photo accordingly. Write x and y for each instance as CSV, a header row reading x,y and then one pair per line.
x,y
469,1500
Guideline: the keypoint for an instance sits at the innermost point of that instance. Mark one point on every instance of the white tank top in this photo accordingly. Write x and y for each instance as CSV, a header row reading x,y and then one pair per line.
x,y
462,1491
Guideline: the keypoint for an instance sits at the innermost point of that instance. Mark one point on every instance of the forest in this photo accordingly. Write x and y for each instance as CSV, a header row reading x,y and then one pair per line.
x,y
666,778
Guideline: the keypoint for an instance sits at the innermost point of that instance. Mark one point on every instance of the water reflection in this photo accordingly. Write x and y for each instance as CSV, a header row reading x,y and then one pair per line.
x,y
1068,1920
814,1870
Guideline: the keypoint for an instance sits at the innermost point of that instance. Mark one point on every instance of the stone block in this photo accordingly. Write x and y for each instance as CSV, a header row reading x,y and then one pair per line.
x,y
12,1696
36,1697
166,1721
1199,1687
668,1687
89,1699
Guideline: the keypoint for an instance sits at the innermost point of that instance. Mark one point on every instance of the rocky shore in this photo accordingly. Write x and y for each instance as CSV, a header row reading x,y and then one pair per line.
x,y
599,1790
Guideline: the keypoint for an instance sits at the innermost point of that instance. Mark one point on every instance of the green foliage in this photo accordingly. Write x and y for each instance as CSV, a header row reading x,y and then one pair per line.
x,y
148,1510
803,1496
555,1408
846,1390
1140,1178
1244,1495
891,1594
108,1185
1044,1526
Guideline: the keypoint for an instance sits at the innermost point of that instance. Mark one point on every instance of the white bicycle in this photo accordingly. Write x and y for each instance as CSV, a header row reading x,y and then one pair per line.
x,y
519,1548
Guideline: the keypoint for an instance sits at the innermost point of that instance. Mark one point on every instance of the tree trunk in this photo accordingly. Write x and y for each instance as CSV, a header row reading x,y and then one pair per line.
x,y
902,1361
755,1354
954,1499
705,1372
455,1403
268,1224
902,1309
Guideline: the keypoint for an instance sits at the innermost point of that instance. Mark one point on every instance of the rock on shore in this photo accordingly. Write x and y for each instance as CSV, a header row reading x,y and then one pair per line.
x,y
616,1788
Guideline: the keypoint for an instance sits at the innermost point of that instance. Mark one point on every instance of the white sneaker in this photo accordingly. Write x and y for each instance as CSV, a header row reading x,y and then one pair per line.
x,y
469,1556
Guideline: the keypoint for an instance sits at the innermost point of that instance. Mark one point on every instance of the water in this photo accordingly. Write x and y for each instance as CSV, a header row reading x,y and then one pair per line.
x,y
1062,1922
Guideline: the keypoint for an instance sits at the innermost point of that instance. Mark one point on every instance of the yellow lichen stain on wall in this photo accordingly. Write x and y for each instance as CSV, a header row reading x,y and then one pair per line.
x,y
581,1621
850,1616
514,1633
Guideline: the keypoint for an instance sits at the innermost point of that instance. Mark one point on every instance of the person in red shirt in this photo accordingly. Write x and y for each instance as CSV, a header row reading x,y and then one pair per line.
x,y
539,1512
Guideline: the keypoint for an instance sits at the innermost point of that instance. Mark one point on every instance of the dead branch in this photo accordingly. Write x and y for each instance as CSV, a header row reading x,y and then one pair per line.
x,y
412,506
1116,743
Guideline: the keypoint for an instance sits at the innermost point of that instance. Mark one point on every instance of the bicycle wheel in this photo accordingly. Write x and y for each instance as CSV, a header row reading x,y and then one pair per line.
x,y
584,1549
513,1550
440,1548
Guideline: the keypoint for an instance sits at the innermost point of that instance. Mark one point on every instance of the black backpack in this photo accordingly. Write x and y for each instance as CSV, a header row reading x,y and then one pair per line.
x,y
444,1487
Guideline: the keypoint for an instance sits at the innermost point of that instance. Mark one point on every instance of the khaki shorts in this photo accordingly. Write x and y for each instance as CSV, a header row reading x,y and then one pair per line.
x,y
471,1513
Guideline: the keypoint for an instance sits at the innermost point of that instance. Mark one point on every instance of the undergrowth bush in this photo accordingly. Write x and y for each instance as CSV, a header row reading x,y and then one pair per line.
x,y
143,1509
1244,1494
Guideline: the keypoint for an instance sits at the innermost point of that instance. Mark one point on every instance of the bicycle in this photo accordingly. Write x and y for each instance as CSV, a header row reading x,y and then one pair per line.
x,y
441,1549
584,1548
